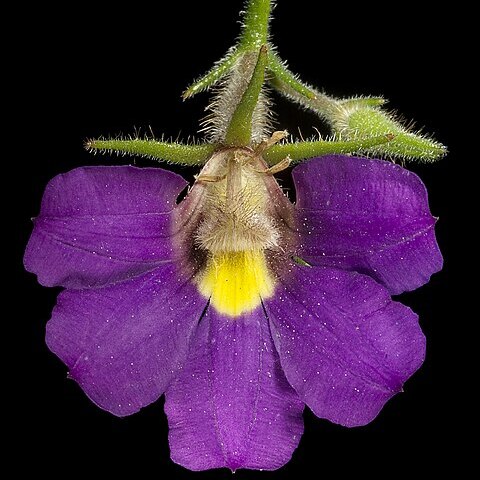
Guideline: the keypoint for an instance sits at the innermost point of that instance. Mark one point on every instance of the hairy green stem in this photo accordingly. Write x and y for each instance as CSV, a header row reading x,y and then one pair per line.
x,y
284,80
253,36
289,85
255,25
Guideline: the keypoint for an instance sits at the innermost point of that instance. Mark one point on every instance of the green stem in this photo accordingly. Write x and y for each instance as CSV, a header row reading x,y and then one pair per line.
x,y
288,84
166,151
253,36
239,131
283,79
302,150
255,25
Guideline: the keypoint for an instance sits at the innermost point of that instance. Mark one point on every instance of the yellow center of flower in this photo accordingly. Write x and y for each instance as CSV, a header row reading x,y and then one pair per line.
x,y
237,230
236,282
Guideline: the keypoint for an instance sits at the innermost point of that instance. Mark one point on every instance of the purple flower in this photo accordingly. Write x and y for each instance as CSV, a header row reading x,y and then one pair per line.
x,y
236,304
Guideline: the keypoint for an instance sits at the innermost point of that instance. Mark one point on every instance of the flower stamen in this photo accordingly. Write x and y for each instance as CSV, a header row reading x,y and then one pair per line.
x,y
277,168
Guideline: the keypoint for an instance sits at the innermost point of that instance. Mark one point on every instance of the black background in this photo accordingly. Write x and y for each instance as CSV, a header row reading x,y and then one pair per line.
x,y
93,71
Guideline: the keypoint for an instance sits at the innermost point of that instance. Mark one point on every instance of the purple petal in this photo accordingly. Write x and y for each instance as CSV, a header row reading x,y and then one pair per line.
x,y
123,343
369,216
100,225
344,346
231,406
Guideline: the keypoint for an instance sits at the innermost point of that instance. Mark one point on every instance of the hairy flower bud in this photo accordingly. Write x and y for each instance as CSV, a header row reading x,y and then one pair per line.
x,y
353,121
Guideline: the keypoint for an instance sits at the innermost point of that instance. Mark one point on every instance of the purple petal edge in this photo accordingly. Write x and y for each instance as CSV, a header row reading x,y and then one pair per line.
x,y
101,225
344,345
369,216
231,406
124,343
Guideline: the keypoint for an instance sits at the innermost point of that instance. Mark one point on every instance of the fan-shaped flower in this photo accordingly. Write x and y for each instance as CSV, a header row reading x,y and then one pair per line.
x,y
237,304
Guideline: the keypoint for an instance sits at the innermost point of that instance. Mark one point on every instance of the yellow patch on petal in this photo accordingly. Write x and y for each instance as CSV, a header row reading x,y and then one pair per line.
x,y
236,282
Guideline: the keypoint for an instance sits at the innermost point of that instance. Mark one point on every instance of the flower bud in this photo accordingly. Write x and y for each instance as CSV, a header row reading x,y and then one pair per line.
x,y
355,120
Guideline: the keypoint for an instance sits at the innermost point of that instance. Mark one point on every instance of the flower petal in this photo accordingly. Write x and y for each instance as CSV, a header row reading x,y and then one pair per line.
x,y
100,225
231,406
369,216
344,346
123,343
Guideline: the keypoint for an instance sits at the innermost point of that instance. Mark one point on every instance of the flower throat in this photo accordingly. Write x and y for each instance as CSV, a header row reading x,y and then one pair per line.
x,y
237,229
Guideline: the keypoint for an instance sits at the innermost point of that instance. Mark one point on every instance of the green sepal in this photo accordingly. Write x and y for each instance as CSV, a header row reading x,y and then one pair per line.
x,y
298,151
172,152
239,131
220,69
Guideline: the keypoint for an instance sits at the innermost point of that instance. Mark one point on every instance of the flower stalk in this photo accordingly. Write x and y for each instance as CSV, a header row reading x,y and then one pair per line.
x,y
255,25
